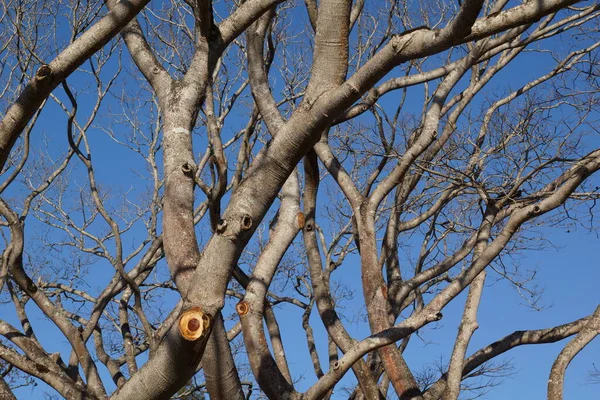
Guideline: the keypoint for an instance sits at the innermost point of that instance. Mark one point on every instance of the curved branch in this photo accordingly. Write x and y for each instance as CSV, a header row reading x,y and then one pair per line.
x,y
557,373
50,76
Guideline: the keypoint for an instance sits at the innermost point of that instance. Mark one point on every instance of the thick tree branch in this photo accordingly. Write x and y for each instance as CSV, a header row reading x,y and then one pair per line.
x,y
50,76
559,368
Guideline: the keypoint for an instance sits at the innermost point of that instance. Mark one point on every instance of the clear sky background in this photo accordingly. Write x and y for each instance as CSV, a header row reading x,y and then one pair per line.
x,y
568,271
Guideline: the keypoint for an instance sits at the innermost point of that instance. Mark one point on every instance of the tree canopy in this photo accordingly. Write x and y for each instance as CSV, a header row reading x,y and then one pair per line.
x,y
185,183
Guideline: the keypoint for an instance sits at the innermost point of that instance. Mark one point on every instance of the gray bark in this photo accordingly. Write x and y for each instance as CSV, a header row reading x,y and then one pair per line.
x,y
202,278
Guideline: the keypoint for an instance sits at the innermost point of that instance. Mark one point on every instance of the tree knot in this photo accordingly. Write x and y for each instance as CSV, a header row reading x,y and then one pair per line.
x,y
43,72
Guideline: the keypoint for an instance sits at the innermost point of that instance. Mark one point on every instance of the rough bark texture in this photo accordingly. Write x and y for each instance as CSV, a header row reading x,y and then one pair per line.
x,y
559,368
465,177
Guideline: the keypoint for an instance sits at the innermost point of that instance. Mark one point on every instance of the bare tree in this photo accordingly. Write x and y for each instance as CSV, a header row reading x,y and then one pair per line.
x,y
246,156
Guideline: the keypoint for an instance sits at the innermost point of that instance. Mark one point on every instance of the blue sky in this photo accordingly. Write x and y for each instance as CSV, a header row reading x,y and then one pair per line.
x,y
568,271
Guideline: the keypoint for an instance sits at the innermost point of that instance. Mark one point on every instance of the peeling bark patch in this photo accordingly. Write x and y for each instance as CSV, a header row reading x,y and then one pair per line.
x,y
301,220
181,130
242,308
384,292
